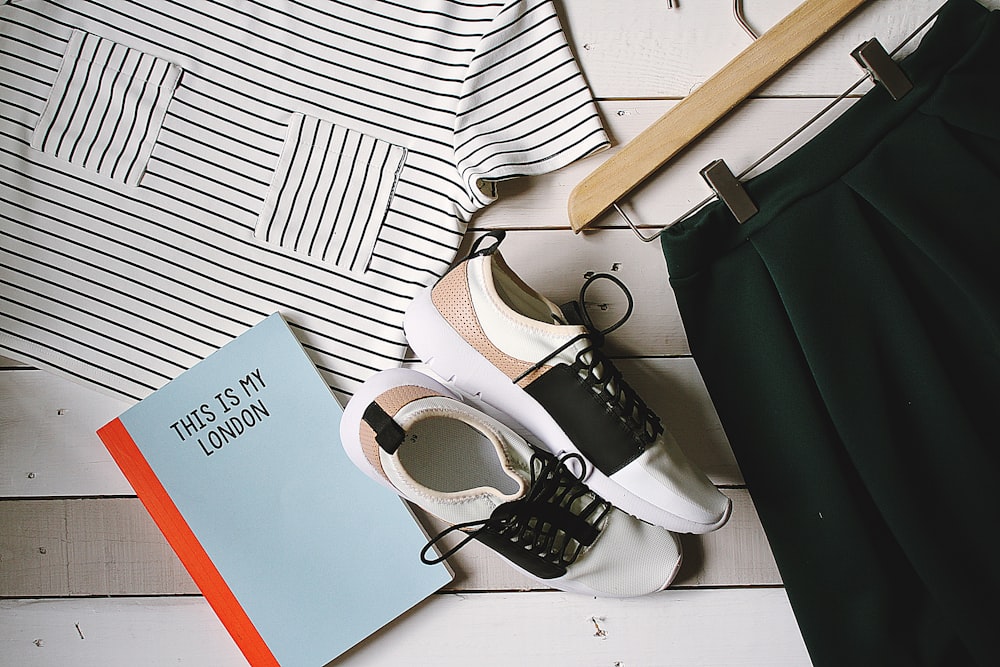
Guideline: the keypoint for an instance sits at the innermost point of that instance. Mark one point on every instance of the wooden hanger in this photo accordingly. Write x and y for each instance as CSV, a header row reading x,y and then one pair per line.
x,y
699,111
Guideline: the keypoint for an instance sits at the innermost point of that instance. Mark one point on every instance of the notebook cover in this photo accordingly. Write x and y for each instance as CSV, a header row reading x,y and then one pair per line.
x,y
239,462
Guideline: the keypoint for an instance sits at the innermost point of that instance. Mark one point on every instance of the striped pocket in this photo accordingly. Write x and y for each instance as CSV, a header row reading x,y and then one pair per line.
x,y
330,193
105,107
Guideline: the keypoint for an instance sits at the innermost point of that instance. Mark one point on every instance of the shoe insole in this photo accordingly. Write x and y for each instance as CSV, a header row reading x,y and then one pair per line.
x,y
450,456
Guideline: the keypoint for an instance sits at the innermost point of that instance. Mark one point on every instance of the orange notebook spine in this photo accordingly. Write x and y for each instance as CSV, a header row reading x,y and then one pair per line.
x,y
179,535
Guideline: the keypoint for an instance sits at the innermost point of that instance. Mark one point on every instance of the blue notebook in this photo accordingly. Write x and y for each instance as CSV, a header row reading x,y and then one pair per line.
x,y
239,462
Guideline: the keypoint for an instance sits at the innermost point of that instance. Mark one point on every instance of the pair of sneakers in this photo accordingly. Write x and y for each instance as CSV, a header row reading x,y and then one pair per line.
x,y
592,504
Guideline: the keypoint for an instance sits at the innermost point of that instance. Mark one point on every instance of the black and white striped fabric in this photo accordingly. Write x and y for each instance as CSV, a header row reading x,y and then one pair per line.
x,y
103,105
171,172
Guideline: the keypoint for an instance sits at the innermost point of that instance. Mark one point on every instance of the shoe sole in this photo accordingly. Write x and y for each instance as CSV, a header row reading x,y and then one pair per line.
x,y
457,362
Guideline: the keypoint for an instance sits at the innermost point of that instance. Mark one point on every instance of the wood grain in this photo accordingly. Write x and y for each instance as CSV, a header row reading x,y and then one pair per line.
x,y
743,627
87,547
646,50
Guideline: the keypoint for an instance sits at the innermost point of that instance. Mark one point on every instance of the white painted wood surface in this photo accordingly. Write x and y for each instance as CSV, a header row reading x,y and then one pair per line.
x,y
727,627
87,579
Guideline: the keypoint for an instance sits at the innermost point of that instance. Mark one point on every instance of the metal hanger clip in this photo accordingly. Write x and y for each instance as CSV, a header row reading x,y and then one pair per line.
x,y
882,69
728,188
873,57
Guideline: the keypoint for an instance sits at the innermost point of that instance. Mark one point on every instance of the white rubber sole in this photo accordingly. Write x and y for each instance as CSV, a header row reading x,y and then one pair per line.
x,y
452,358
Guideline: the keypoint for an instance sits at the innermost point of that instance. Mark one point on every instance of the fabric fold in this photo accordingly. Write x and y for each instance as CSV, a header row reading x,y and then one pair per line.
x,y
847,334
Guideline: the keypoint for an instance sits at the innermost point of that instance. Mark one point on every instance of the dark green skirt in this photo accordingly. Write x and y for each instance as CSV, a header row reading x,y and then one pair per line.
x,y
849,335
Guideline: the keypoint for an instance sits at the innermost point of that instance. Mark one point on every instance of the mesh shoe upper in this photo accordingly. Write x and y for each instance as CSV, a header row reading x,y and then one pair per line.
x,y
554,362
530,506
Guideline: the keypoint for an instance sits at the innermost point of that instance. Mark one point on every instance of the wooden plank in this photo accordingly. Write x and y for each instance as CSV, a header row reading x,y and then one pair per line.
x,y
653,51
48,446
114,548
114,632
107,546
733,627
110,546
34,551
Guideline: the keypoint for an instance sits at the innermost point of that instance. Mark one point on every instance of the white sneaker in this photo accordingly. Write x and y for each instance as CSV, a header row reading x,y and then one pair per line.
x,y
483,329
412,435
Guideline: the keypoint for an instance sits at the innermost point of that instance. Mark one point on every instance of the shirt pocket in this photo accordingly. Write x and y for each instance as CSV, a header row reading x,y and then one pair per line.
x,y
330,193
106,107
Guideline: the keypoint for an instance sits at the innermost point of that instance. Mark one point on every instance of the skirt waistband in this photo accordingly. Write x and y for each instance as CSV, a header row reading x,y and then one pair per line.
x,y
712,231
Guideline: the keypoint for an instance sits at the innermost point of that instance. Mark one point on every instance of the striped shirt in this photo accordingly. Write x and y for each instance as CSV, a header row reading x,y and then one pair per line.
x,y
171,172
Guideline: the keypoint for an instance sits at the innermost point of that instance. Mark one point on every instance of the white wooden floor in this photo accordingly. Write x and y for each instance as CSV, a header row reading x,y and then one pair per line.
x,y
86,579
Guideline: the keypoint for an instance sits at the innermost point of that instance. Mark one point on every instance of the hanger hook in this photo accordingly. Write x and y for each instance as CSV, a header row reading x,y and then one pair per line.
x,y
738,13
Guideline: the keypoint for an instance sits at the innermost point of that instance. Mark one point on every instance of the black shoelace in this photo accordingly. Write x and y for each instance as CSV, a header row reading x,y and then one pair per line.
x,y
599,373
555,520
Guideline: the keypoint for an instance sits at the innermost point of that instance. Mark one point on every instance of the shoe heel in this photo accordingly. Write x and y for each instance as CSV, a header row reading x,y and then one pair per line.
x,y
350,438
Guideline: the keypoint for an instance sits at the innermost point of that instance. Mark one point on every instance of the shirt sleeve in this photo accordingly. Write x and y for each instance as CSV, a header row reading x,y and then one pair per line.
x,y
525,108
